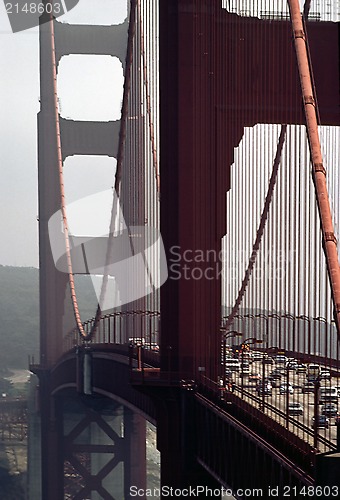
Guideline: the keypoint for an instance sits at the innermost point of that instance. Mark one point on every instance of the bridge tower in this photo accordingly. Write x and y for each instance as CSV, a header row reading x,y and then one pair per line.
x,y
203,115
76,138
210,86
76,433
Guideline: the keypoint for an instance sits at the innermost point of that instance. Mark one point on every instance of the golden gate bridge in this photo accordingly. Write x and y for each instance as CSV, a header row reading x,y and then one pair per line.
x,y
227,147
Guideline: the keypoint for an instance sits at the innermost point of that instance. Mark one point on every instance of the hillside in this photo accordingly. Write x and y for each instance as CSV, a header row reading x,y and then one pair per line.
x,y
19,314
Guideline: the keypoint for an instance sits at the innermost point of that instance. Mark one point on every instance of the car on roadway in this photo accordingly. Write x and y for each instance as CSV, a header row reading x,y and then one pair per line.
x,y
267,360
274,382
329,409
254,377
308,387
266,389
295,409
328,395
275,374
301,368
337,420
322,421
284,388
268,381
313,371
281,360
232,364
257,356
141,342
291,365
325,375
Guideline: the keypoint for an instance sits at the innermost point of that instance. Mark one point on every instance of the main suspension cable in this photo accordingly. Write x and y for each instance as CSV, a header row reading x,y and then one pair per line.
x,y
318,170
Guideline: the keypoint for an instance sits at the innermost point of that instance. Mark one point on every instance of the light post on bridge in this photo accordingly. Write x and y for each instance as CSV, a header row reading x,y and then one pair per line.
x,y
245,344
277,317
325,334
262,381
227,335
251,328
243,324
267,317
265,335
272,350
287,391
240,320
290,345
316,410
304,319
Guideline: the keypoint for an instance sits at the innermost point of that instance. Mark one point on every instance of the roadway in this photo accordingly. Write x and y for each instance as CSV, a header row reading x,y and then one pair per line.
x,y
276,404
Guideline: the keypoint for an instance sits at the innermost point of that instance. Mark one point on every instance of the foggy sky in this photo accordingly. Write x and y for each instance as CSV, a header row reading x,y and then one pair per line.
x,y
19,104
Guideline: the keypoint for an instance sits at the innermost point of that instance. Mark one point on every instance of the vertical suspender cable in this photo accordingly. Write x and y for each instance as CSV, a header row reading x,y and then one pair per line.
x,y
319,173
122,137
261,227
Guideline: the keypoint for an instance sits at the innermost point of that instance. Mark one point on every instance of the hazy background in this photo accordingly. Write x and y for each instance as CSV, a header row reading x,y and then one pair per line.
x,y
89,87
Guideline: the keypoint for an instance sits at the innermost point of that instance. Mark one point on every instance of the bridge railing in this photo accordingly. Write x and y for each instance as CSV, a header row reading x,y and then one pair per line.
x,y
285,390
122,327
139,332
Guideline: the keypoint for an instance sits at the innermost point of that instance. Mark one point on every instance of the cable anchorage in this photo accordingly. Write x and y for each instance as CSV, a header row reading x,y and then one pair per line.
x,y
309,99
318,167
330,237
299,34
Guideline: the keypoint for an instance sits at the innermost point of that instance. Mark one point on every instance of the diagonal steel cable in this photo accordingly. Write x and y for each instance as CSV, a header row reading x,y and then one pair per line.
x,y
318,170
